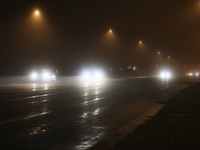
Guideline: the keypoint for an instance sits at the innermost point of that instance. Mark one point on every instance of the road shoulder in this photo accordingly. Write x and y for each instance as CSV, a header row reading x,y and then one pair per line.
x,y
175,126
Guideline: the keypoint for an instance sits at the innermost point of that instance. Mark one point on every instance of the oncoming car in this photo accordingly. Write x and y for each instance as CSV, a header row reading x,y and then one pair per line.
x,y
93,75
43,76
165,75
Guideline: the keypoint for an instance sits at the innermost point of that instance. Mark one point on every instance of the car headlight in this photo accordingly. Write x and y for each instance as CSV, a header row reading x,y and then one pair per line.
x,y
168,75
162,75
190,74
98,76
165,75
45,75
34,75
86,76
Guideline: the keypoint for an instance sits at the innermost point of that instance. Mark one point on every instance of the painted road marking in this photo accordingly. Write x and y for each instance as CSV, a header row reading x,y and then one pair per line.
x,y
44,113
30,97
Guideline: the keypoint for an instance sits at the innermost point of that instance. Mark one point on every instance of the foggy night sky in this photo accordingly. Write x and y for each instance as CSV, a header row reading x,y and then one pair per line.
x,y
72,33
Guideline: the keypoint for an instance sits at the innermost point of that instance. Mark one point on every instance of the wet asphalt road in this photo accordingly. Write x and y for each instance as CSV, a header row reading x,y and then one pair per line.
x,y
76,115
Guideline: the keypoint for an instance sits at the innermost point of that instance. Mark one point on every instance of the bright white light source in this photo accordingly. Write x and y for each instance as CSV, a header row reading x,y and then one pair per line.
x,y
34,75
165,75
197,74
37,12
93,76
162,75
86,76
98,76
45,75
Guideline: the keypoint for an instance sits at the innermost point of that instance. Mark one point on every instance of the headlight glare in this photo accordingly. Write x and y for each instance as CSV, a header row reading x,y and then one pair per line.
x,y
34,75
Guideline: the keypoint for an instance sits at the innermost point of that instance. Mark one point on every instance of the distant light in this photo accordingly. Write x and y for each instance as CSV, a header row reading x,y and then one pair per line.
x,y
134,68
168,57
37,12
197,74
165,75
185,66
86,76
45,75
140,42
98,76
168,75
162,75
34,75
158,52
129,67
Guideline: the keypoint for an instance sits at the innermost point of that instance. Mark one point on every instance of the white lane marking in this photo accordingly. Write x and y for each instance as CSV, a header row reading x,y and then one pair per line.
x,y
28,117
30,97
44,113
37,96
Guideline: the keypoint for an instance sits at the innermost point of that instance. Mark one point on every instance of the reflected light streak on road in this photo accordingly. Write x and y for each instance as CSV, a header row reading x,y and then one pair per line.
x,y
30,97
46,87
28,117
86,84
164,84
90,140
45,112
33,87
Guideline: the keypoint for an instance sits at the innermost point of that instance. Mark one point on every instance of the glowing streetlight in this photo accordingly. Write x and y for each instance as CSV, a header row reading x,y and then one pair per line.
x,y
140,42
168,57
158,52
110,30
37,12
